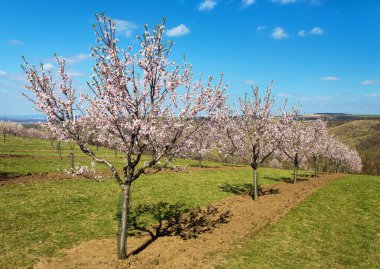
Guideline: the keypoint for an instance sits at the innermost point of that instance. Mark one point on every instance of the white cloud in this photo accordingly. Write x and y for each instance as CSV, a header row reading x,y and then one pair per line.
x,y
284,2
371,95
250,82
76,58
48,66
14,42
371,82
124,27
261,28
247,3
279,33
317,31
207,5
179,30
3,73
283,95
75,74
330,78
316,98
302,33
314,31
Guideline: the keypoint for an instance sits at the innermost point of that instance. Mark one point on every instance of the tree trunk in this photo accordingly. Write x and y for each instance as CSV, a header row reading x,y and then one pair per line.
x,y
255,192
295,168
97,147
328,167
316,166
123,226
59,148
72,161
4,137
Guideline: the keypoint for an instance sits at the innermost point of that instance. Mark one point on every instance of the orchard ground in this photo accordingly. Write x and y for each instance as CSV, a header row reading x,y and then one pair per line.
x,y
42,216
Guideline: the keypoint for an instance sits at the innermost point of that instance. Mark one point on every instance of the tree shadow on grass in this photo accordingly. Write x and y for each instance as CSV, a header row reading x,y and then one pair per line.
x,y
165,219
6,176
245,188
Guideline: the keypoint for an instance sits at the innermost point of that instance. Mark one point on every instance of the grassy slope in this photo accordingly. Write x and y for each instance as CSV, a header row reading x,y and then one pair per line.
x,y
364,135
39,219
337,227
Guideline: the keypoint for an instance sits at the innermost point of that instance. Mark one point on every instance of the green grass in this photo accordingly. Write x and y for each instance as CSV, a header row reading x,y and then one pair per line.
x,y
25,155
38,219
336,227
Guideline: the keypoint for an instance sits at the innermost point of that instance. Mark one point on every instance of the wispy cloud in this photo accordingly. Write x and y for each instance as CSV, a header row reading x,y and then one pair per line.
x,y
279,33
179,30
15,42
371,82
249,82
125,28
302,33
3,73
284,2
76,58
371,95
330,78
247,3
207,5
317,31
316,98
75,74
314,31
48,66
261,28
283,95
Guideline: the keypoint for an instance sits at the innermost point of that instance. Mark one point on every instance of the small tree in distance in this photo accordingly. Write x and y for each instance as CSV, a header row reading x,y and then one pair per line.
x,y
140,103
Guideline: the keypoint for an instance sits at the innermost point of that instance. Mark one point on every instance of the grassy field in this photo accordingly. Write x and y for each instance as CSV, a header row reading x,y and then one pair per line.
x,y
22,156
38,219
337,227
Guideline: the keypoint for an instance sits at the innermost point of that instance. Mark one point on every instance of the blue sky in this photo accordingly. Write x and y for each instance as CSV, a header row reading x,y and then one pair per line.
x,y
322,54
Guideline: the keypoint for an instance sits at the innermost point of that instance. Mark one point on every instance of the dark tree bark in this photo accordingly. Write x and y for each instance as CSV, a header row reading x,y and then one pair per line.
x,y
296,162
123,226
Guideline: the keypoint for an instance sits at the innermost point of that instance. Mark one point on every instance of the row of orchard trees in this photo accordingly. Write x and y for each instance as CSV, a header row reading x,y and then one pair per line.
x,y
254,133
144,103
8,128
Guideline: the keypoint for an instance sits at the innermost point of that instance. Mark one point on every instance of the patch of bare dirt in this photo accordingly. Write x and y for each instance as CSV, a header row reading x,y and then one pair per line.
x,y
205,251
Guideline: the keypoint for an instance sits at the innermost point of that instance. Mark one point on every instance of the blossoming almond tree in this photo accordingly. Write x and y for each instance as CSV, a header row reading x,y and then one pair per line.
x,y
141,103
296,142
318,134
251,132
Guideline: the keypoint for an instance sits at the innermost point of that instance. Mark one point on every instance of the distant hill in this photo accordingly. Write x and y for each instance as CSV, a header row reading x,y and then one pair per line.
x,y
339,117
364,135
23,118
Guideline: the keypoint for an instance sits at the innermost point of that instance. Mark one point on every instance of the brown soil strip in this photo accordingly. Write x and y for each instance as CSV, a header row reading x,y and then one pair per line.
x,y
205,251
